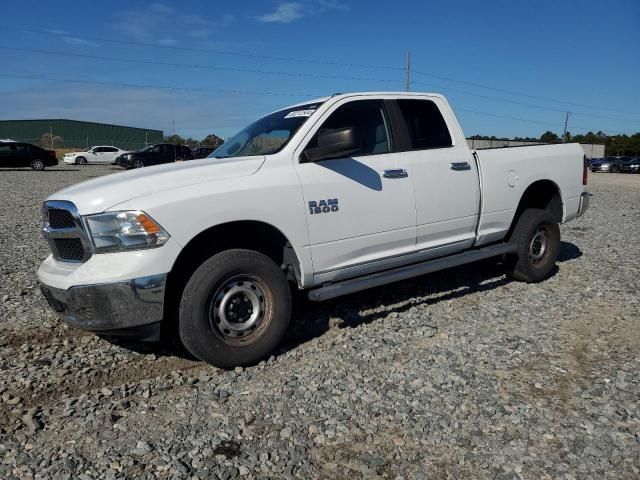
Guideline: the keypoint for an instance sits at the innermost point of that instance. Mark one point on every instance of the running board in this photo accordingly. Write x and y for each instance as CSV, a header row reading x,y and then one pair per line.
x,y
333,290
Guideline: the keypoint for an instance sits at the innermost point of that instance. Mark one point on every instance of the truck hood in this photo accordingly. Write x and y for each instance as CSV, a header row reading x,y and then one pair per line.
x,y
99,194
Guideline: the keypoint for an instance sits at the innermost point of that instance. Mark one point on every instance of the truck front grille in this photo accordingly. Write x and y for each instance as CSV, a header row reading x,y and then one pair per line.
x,y
64,230
60,218
69,249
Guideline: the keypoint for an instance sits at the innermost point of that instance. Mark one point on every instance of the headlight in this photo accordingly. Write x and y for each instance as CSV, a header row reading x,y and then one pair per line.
x,y
118,231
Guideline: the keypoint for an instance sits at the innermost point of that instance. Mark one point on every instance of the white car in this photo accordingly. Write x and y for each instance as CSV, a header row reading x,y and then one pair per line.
x,y
99,154
332,196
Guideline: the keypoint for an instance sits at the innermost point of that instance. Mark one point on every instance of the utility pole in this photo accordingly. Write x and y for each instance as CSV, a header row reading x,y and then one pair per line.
x,y
51,135
407,81
566,121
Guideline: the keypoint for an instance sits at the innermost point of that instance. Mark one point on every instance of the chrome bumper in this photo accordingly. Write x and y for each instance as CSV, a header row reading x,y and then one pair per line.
x,y
584,203
110,307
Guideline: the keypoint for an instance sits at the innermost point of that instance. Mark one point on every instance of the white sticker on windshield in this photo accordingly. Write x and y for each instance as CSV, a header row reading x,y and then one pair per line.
x,y
299,113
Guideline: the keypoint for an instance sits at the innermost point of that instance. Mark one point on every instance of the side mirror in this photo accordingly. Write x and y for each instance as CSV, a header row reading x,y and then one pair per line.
x,y
333,144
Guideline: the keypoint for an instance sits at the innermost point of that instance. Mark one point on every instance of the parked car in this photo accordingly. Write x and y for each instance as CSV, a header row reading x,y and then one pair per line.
x,y
155,155
608,164
105,154
333,196
632,165
202,152
19,154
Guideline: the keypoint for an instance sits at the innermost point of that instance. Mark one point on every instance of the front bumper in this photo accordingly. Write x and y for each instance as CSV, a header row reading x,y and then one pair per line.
x,y
112,308
583,206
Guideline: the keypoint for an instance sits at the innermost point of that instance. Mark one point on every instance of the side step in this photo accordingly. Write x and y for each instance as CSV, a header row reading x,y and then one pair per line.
x,y
333,290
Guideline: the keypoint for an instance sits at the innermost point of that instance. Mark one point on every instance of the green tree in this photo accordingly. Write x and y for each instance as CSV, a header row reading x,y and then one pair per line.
x,y
212,140
549,137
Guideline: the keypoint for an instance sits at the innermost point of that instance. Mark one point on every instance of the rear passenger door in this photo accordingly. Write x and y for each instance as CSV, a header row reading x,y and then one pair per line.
x,y
443,173
21,154
108,155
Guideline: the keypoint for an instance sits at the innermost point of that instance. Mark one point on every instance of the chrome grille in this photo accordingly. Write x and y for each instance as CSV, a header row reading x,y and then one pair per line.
x,y
64,230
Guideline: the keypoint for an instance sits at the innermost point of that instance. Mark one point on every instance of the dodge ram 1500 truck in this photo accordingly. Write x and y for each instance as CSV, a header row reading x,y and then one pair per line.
x,y
332,196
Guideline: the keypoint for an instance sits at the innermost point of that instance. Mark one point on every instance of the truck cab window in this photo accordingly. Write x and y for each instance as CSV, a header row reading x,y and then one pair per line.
x,y
425,124
369,119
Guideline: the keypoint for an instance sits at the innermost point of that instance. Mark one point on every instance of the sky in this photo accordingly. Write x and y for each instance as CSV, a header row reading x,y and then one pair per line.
x,y
509,68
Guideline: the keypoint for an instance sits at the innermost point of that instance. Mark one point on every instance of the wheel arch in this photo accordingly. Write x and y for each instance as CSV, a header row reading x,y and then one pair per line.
x,y
249,234
544,194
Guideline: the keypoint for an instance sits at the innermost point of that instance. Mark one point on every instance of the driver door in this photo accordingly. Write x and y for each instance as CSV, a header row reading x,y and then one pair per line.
x,y
360,211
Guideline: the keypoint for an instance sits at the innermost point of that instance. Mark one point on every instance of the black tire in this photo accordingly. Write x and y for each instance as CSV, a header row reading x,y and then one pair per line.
x,y
537,236
81,161
37,165
137,163
209,297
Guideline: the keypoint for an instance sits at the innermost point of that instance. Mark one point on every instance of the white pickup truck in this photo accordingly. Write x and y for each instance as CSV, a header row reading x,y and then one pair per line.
x,y
332,196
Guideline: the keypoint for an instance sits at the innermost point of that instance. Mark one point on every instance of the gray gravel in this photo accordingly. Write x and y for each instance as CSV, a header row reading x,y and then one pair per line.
x,y
462,374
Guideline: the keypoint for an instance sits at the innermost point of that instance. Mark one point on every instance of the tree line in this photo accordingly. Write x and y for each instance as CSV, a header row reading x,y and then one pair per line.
x,y
619,145
208,141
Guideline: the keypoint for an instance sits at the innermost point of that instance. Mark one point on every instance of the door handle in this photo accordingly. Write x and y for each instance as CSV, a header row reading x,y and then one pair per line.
x,y
460,166
397,173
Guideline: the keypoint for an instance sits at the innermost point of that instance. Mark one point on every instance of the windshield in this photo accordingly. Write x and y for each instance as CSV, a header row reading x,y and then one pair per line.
x,y
267,135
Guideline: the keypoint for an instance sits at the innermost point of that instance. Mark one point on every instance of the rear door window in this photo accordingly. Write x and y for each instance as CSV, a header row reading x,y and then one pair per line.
x,y
426,126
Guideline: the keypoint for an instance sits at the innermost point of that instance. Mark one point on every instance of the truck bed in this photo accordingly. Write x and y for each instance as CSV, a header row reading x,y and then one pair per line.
x,y
505,174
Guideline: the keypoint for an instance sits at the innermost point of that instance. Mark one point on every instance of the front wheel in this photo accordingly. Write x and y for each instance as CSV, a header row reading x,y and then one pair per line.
x,y
37,165
537,238
137,163
235,309
81,161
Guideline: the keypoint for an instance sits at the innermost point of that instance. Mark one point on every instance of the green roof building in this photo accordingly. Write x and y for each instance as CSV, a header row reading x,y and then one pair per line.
x,y
62,133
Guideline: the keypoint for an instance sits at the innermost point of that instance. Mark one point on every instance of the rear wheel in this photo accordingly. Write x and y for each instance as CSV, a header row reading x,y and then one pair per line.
x,y
37,165
235,309
537,237
81,161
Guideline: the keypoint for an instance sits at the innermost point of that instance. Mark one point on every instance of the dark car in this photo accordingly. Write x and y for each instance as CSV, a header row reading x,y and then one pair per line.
x,y
632,165
608,164
154,155
202,152
18,154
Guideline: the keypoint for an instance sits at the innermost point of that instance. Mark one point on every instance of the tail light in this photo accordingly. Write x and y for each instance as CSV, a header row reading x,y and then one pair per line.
x,y
585,170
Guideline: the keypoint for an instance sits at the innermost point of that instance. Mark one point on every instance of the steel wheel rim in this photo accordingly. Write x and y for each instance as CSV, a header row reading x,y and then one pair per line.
x,y
539,244
237,310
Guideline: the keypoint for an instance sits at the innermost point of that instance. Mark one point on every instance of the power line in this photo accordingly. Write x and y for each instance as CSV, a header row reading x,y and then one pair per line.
x,y
194,65
203,50
310,61
163,87
303,75
511,92
530,105
327,62
205,91
508,117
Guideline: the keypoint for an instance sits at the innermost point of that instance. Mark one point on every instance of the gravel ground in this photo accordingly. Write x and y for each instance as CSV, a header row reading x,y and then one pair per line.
x,y
462,374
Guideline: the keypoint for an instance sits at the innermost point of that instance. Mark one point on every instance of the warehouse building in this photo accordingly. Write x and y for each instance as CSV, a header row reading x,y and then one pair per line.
x,y
63,134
